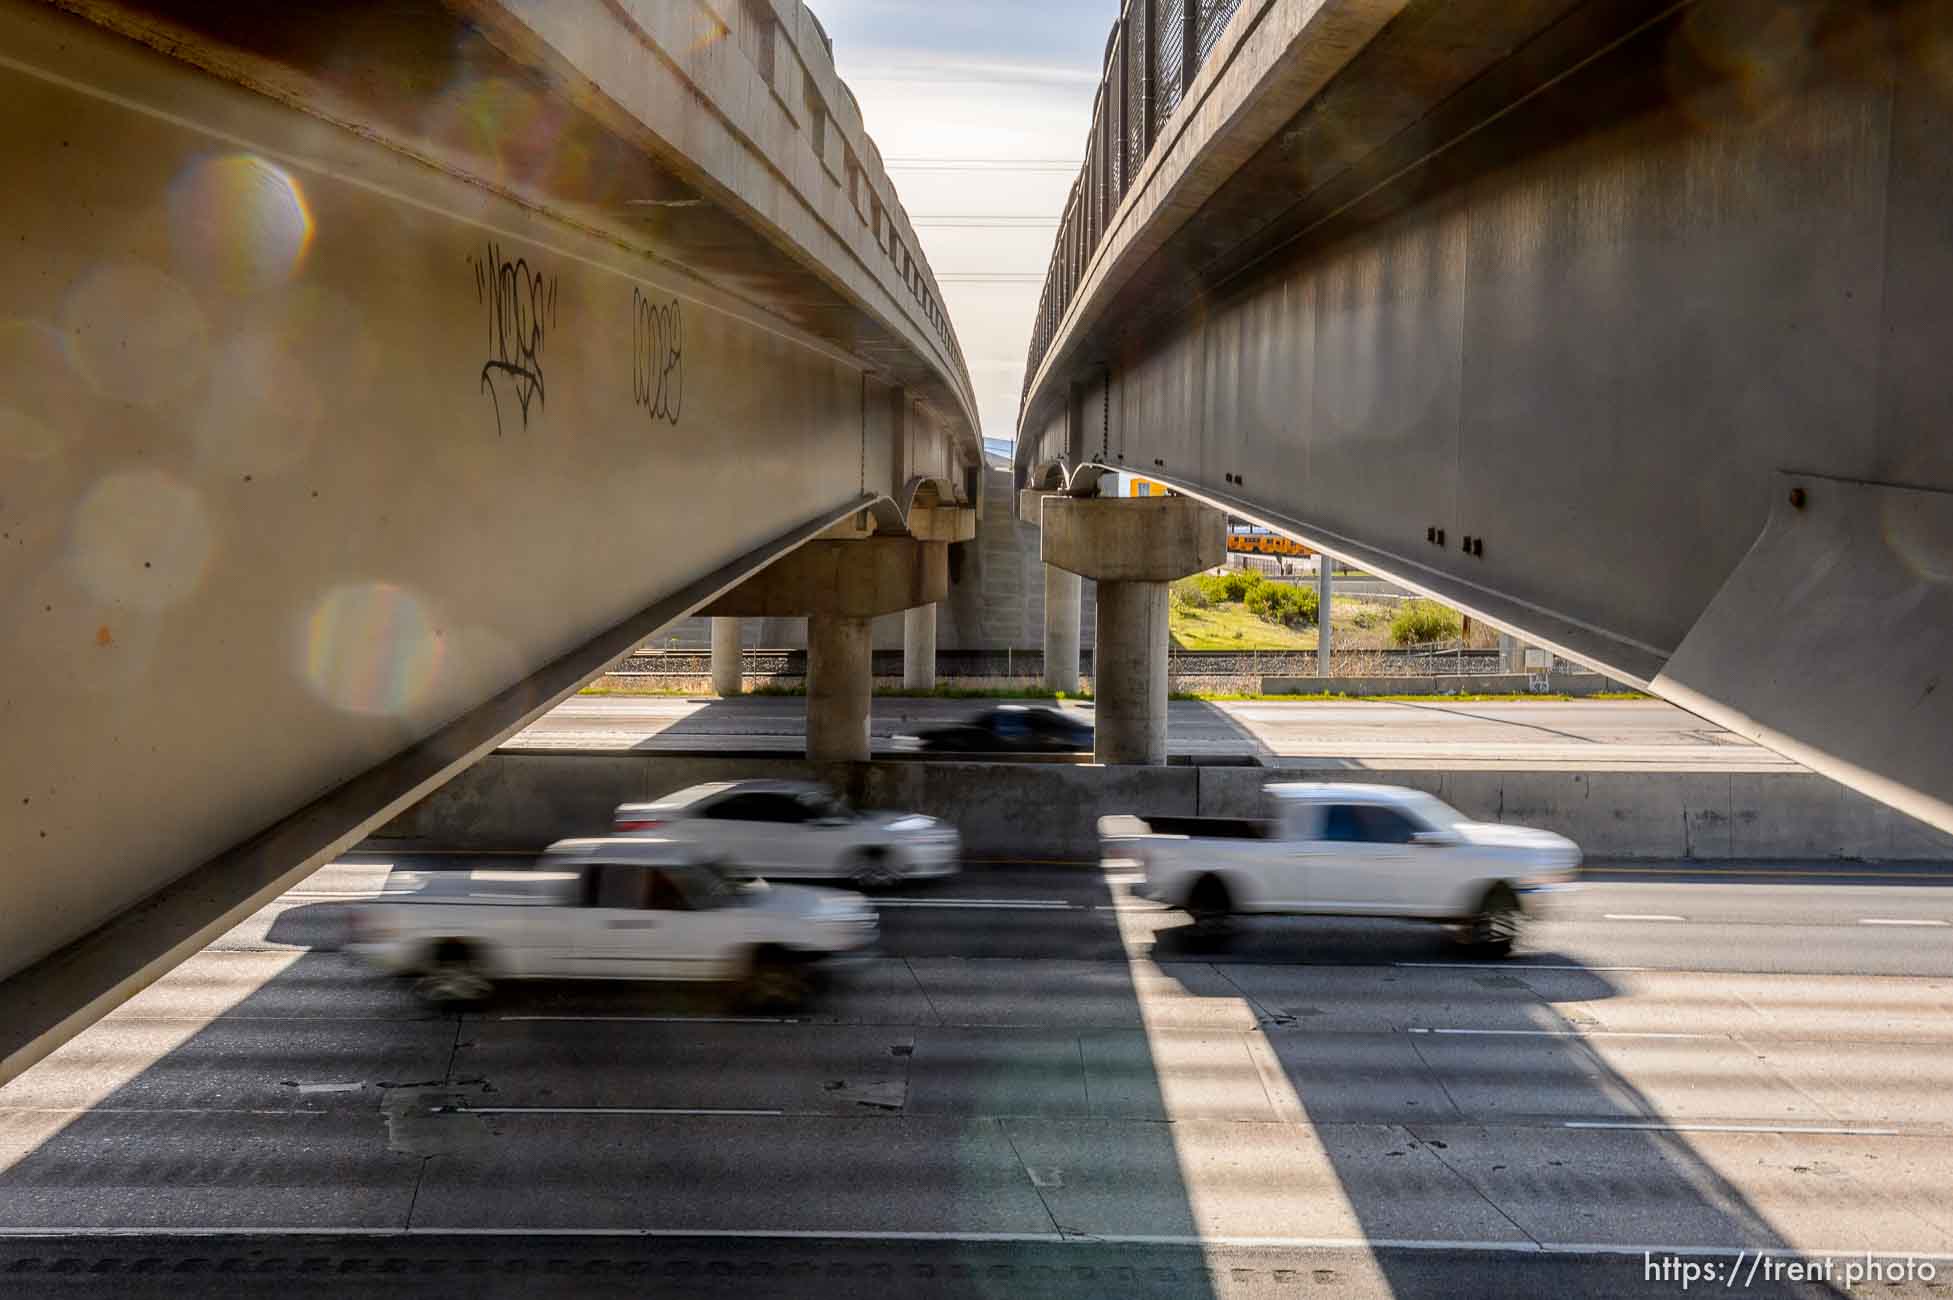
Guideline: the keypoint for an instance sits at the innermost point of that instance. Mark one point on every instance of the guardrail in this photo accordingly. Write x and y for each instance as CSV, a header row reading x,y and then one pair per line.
x,y
1152,56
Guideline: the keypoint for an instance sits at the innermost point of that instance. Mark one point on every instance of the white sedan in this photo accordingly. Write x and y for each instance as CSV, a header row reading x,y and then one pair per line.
x,y
798,829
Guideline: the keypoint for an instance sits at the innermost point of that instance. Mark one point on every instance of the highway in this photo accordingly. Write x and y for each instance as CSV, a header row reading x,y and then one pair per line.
x,y
1379,735
1036,1087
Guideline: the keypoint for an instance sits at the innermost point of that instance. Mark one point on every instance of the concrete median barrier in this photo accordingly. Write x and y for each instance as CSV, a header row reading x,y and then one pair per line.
x,y
1049,812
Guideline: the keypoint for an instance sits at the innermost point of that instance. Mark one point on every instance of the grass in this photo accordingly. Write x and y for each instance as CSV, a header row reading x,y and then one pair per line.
x,y
1232,627
638,692
1228,625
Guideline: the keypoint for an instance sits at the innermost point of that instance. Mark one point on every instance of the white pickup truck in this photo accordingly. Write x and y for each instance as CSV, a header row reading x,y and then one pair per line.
x,y
1348,850
609,909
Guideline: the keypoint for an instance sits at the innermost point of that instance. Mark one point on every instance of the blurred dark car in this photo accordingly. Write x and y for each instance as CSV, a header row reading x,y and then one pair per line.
x,y
1012,729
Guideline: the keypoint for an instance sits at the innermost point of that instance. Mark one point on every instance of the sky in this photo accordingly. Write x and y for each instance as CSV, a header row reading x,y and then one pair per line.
x,y
980,112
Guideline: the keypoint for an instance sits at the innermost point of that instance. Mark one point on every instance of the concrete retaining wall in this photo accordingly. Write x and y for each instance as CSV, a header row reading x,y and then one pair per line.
x,y
1050,811
1577,685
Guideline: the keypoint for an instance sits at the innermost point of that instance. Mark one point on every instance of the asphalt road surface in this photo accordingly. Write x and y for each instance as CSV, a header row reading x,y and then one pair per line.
x,y
1577,734
1037,1087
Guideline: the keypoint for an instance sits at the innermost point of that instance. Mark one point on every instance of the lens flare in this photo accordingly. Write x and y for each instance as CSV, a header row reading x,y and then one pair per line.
x,y
261,409
240,221
140,539
369,648
134,333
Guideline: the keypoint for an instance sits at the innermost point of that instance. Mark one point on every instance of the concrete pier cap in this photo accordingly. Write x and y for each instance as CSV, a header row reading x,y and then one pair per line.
x,y
839,586
1131,539
843,579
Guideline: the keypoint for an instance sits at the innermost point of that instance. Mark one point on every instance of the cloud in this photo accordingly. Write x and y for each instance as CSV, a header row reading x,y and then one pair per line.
x,y
1000,83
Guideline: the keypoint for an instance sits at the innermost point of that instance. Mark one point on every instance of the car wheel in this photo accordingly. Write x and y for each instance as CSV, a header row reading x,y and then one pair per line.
x,y
455,978
873,872
1498,924
775,982
1212,911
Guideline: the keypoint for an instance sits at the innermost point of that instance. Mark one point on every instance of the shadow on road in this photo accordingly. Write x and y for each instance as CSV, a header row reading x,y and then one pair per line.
x,y
1464,1100
260,1090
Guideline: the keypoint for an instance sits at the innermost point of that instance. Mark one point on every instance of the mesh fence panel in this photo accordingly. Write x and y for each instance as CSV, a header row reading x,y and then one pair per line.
x,y
1136,45
1213,20
1169,41
1115,128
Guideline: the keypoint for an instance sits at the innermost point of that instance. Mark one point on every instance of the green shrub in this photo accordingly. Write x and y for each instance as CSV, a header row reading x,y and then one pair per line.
x,y
1277,602
1216,588
1212,588
1420,622
1239,584
1311,607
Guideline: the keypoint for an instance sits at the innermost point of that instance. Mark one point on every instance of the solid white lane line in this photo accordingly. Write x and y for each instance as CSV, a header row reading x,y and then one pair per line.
x,y
1657,1127
1026,1238
1641,916
603,1110
1884,920
1560,1033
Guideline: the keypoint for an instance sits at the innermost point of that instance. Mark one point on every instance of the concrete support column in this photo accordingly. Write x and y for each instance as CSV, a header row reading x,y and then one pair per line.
x,y
727,678
1132,547
1511,653
1325,585
1062,597
919,648
842,585
840,682
1129,673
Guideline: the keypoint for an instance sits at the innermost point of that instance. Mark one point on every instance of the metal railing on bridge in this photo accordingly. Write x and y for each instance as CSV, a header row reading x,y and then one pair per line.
x,y
1152,56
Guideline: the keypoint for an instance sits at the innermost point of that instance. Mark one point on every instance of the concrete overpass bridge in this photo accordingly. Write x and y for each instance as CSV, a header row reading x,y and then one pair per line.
x,y
373,375
1623,326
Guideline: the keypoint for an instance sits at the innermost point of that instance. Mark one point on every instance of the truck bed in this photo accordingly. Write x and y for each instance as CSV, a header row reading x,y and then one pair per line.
x,y
1211,828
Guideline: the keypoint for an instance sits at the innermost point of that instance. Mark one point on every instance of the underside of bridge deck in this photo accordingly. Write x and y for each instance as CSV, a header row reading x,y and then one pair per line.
x,y
373,375
1619,325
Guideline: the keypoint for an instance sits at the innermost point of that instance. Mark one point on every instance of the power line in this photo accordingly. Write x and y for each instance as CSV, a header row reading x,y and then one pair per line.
x,y
982,223
982,164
